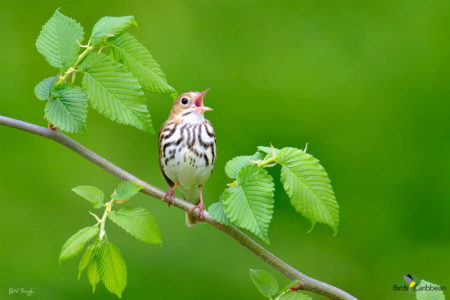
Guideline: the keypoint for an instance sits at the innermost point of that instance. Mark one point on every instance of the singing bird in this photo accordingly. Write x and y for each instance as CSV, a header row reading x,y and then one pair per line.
x,y
187,150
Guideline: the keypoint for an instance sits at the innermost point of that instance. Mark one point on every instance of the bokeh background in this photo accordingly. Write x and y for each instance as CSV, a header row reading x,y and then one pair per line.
x,y
365,83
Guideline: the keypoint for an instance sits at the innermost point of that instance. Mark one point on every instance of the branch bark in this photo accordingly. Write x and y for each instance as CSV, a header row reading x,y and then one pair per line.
x,y
307,283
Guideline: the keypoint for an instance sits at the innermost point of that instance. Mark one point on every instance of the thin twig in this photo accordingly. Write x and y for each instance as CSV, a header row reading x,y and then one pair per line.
x,y
308,283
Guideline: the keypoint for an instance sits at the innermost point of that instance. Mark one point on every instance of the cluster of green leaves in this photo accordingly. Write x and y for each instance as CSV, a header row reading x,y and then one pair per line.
x,y
115,69
268,286
248,202
102,259
429,291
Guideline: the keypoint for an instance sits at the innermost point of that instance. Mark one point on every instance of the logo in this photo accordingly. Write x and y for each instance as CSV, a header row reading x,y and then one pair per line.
x,y
412,284
408,285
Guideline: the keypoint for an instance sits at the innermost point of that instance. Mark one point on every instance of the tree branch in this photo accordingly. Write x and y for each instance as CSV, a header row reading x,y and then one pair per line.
x,y
307,283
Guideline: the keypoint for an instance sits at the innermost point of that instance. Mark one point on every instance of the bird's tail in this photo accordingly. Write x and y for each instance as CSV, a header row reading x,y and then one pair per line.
x,y
192,195
190,220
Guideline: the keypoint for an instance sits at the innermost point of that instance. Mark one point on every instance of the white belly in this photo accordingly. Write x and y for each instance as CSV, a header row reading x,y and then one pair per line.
x,y
187,168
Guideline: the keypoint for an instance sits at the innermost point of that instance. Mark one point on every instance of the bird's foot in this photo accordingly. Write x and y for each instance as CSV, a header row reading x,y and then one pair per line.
x,y
170,196
201,209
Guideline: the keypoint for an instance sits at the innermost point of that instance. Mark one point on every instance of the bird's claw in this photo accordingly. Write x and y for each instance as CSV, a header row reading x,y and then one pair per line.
x,y
201,209
170,196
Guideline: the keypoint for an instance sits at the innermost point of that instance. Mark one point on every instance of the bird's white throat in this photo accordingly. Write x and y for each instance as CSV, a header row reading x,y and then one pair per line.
x,y
193,118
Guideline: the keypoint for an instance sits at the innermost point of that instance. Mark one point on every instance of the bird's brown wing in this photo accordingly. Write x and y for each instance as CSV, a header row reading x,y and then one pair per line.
x,y
213,147
169,182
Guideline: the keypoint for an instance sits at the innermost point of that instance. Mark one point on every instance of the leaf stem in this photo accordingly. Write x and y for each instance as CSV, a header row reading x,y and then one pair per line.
x,y
96,217
72,69
108,206
267,162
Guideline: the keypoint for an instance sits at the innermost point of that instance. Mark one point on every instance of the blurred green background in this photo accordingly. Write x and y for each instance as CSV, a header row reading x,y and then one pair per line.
x,y
365,83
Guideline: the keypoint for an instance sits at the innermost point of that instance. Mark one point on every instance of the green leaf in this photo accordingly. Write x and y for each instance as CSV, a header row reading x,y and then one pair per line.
x,y
217,211
43,89
429,291
234,165
265,282
85,260
110,26
93,274
115,92
125,190
141,63
91,194
139,223
67,109
57,41
76,242
294,296
307,184
267,150
249,204
111,267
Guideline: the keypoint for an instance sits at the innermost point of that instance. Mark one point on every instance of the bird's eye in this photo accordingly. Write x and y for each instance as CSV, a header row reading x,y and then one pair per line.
x,y
184,101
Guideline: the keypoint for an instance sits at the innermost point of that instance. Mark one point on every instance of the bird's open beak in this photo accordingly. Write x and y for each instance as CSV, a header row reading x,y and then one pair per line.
x,y
199,102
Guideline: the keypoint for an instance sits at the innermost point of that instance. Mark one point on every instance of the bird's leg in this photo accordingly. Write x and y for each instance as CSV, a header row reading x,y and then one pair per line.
x,y
170,195
200,206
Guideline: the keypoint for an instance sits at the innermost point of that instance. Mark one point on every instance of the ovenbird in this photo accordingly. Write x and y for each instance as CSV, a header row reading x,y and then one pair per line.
x,y
187,150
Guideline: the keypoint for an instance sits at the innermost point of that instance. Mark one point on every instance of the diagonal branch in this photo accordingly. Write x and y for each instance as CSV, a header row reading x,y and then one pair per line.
x,y
307,283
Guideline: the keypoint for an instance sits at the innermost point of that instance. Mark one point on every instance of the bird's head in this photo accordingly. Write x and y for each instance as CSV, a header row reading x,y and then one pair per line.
x,y
189,105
